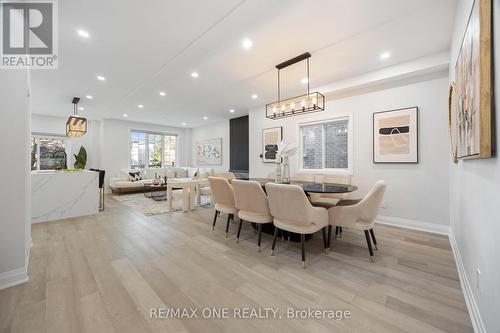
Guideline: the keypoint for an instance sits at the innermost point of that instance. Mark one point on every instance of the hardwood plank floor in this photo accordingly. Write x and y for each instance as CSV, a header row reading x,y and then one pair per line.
x,y
103,273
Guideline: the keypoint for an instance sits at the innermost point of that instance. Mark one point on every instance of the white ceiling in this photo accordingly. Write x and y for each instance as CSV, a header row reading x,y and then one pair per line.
x,y
143,47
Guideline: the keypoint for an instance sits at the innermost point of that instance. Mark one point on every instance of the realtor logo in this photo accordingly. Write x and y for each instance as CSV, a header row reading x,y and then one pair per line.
x,y
29,34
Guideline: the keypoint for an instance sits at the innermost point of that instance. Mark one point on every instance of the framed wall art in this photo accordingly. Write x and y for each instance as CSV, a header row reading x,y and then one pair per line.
x,y
395,136
209,152
471,117
271,137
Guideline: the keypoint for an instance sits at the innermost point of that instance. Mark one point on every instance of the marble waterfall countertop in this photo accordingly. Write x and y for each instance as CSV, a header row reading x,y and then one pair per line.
x,y
59,195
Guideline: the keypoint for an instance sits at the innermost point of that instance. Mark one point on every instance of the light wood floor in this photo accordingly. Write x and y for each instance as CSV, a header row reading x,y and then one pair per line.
x,y
103,273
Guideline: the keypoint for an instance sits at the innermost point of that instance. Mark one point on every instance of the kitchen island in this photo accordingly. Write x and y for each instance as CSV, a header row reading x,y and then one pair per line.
x,y
57,195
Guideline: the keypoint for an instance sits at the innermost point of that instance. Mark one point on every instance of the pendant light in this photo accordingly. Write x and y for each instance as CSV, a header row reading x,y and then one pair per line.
x,y
76,126
294,106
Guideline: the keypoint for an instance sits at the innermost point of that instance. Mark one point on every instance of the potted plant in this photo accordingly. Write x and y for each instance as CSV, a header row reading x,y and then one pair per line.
x,y
81,158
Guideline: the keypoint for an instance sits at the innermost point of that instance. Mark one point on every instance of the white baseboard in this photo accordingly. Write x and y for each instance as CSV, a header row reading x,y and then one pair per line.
x,y
475,316
14,277
413,224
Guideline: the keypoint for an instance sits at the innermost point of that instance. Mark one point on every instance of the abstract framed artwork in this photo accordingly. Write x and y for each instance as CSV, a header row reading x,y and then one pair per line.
x,y
209,152
471,116
271,137
395,136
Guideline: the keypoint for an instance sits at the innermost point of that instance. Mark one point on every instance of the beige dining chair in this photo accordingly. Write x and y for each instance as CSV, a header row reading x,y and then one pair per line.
x,y
303,177
328,200
292,212
202,189
223,198
225,174
252,205
358,214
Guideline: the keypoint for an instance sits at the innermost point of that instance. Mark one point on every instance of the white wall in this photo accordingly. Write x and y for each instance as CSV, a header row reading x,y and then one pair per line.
x,y
474,200
212,131
417,193
115,143
42,124
15,226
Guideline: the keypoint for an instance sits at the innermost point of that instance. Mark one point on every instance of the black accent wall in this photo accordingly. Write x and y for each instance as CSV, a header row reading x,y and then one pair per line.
x,y
238,144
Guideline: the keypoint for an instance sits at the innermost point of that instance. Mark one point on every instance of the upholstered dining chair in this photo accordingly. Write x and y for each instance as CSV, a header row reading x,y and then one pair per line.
x,y
223,198
303,177
225,174
202,189
252,205
358,214
328,200
293,212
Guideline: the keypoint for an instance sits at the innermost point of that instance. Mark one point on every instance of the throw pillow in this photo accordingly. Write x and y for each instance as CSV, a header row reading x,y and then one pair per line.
x,y
134,176
170,173
192,173
181,173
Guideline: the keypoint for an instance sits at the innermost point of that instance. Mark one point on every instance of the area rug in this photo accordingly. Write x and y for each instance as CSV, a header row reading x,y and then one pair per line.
x,y
150,207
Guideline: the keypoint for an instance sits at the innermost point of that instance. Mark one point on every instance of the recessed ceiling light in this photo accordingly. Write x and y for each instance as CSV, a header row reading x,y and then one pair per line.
x,y
385,55
304,80
140,106
89,97
205,118
162,93
247,43
125,115
231,111
254,96
83,33
81,108
195,74
184,124
101,78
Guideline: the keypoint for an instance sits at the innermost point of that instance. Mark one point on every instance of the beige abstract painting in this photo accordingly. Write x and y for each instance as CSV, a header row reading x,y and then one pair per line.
x,y
395,136
473,86
397,140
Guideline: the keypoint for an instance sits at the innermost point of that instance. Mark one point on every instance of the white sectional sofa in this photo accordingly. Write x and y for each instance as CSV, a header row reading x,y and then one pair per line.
x,y
121,183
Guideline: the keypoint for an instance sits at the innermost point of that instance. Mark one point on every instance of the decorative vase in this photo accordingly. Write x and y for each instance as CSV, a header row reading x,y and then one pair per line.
x,y
277,176
285,177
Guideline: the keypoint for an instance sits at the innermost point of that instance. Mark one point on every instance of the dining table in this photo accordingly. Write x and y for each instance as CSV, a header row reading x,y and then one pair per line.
x,y
308,187
312,187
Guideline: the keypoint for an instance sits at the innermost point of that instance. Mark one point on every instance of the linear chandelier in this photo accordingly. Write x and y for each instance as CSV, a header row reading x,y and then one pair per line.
x,y
294,106
76,126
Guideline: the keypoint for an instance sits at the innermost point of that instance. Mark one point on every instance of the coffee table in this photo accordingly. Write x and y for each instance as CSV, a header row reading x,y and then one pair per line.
x,y
157,192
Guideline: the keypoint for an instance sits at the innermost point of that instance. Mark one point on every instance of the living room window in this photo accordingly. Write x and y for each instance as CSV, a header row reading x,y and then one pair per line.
x,y
152,150
327,144
48,153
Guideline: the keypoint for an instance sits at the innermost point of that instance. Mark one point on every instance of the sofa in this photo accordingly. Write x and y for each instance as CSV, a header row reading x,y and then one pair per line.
x,y
123,182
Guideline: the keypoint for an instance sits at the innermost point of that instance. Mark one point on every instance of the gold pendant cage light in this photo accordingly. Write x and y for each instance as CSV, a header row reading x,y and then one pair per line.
x,y
76,126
